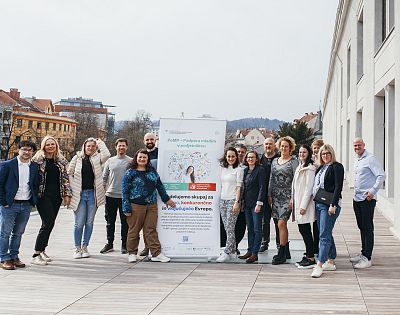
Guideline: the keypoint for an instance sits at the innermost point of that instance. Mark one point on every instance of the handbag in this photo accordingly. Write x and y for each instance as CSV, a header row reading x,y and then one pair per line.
x,y
323,196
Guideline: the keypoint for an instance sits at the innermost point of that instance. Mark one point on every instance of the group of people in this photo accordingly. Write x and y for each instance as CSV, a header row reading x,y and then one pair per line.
x,y
306,189
254,189
92,178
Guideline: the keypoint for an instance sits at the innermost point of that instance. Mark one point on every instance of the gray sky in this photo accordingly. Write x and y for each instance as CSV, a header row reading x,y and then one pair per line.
x,y
227,58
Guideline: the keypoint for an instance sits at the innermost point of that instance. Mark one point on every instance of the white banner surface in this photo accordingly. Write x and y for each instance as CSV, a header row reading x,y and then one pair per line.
x,y
188,155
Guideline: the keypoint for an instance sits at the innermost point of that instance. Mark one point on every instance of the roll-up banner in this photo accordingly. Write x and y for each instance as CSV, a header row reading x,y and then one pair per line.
x,y
189,150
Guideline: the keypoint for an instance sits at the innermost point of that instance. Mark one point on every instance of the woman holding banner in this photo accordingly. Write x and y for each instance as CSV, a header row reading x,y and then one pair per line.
x,y
254,192
229,205
139,203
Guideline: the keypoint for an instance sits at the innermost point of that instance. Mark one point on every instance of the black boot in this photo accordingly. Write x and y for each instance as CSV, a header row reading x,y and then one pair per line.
x,y
281,257
287,251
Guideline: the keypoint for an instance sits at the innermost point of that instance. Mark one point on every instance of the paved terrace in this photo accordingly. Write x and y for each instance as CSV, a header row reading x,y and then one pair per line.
x,y
108,284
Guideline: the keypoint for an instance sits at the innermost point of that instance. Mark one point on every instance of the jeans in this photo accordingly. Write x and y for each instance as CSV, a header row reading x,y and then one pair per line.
x,y
114,206
48,209
254,229
364,211
13,220
84,217
326,222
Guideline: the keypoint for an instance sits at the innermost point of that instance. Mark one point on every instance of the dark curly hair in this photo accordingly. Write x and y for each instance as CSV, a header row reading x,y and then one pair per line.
x,y
223,161
134,164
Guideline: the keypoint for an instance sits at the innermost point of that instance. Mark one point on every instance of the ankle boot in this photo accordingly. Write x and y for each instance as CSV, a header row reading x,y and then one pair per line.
x,y
281,257
287,251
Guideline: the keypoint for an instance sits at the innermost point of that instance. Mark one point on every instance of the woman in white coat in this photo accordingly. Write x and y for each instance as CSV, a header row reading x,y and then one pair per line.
x,y
303,204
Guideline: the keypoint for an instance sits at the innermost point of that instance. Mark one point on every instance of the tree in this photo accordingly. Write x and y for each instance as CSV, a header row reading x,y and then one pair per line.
x,y
87,126
134,131
299,132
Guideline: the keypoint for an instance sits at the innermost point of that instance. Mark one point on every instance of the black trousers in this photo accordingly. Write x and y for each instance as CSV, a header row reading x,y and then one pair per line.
x,y
240,230
48,208
266,228
305,231
316,237
364,211
113,206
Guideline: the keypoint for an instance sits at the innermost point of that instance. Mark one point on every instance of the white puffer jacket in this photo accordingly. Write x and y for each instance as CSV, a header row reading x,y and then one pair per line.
x,y
302,197
97,160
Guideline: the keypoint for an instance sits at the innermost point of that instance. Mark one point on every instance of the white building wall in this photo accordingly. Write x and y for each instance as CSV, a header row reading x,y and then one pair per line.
x,y
372,108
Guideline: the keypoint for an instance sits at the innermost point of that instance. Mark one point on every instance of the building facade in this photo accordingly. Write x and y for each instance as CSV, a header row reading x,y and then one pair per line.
x,y
361,98
33,119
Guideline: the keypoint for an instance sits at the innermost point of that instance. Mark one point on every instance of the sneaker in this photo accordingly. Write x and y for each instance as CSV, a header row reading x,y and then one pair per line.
x,y
363,263
233,256
308,264
223,257
107,248
144,252
132,258
38,260
77,253
327,266
356,258
45,257
161,258
317,271
123,249
85,252
303,260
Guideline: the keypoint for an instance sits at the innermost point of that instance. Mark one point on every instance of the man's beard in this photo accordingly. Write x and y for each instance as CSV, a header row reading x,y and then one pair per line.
x,y
150,145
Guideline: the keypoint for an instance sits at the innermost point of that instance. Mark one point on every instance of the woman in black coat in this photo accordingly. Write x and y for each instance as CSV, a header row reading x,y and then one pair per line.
x,y
254,192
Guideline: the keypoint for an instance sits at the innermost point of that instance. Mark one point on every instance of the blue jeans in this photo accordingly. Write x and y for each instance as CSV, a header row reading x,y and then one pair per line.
x,y
254,229
326,222
84,217
13,221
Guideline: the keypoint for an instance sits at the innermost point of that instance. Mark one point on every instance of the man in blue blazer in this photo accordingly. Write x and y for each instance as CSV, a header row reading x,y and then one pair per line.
x,y
19,183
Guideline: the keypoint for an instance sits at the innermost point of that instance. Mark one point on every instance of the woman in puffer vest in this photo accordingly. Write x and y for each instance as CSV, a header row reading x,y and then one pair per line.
x,y
88,193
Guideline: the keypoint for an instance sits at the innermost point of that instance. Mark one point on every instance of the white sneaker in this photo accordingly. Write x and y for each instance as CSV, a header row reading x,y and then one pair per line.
x,y
327,266
77,253
132,258
317,271
45,257
363,263
233,256
223,258
85,252
38,260
356,258
161,258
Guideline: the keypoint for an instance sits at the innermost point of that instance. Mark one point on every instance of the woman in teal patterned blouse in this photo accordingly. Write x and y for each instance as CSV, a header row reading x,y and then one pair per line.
x,y
139,202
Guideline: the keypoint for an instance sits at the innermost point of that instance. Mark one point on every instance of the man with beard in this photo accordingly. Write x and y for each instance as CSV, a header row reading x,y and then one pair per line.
x,y
266,161
114,171
150,143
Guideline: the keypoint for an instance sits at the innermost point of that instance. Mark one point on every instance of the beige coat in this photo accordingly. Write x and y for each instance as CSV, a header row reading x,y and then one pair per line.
x,y
97,160
302,187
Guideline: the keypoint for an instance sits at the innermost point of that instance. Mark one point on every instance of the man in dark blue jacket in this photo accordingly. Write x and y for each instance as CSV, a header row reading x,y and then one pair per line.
x,y
18,193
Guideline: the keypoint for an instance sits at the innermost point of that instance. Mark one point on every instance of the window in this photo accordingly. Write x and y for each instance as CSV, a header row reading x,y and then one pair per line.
x,y
65,127
384,21
348,71
54,126
18,123
360,51
46,126
30,123
59,127
39,125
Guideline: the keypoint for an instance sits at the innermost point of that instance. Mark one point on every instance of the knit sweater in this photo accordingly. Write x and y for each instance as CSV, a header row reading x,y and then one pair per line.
x,y
140,187
114,171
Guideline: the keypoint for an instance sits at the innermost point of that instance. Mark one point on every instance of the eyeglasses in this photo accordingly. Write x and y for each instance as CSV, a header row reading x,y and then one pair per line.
x,y
326,153
26,150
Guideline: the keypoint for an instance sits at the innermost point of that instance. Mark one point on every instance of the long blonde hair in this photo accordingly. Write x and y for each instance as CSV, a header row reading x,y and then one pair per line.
x,y
42,154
